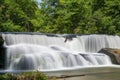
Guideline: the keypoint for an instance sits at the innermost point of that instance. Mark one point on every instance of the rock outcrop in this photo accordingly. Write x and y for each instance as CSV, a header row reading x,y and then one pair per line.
x,y
2,53
1,40
2,57
114,54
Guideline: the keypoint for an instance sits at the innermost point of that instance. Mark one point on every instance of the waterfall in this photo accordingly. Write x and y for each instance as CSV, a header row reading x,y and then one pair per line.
x,y
56,51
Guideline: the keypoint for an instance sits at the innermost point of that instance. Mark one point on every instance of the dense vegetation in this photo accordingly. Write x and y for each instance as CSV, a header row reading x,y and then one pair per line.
x,y
25,76
60,16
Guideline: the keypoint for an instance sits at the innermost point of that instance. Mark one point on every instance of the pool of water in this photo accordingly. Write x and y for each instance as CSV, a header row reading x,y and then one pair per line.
x,y
88,73
110,72
97,76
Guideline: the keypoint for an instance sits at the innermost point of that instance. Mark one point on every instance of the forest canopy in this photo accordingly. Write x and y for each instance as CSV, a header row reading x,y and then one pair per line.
x,y
60,16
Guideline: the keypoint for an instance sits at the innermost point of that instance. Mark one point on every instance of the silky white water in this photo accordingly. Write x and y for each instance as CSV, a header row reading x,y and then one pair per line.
x,y
40,51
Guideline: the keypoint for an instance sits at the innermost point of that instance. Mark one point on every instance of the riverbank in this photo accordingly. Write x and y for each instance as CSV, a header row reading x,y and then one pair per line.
x,y
114,75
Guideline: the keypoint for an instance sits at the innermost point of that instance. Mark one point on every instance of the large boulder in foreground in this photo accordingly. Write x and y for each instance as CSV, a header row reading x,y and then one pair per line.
x,y
114,54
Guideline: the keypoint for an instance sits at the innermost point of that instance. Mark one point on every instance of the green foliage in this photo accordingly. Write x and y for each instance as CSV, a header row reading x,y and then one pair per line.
x,y
9,26
6,77
61,16
81,17
24,76
16,15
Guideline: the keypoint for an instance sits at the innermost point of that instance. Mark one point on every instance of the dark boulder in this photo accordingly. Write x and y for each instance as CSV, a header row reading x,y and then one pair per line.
x,y
2,57
1,40
114,54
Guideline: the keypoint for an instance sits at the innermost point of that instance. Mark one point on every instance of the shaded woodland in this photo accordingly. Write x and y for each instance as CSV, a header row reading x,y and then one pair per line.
x,y
60,16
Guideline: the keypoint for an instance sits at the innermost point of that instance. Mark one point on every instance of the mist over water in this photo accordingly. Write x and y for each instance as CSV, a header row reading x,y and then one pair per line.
x,y
33,52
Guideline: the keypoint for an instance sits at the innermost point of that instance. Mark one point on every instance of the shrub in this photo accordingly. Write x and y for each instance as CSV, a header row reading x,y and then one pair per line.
x,y
24,76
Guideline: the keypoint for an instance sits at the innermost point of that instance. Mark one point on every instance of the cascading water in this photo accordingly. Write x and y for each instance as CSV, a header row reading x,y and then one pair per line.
x,y
43,51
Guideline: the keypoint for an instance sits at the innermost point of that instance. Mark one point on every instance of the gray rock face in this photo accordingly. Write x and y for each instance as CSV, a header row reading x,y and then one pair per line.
x,y
2,53
114,54
1,40
2,57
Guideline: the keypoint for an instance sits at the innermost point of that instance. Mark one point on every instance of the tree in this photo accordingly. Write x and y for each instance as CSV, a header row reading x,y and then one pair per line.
x,y
64,17
19,14
61,16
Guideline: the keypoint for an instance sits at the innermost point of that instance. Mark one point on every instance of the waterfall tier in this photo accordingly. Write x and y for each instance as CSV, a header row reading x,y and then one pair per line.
x,y
50,51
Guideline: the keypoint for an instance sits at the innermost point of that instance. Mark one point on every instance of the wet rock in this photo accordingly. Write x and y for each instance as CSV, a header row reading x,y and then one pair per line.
x,y
1,40
2,57
114,54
